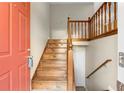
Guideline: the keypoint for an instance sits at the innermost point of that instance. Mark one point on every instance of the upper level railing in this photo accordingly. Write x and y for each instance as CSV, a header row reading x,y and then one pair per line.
x,y
102,23
79,29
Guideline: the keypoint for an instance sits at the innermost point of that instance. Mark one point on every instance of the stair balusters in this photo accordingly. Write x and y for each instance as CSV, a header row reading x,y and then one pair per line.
x,y
101,24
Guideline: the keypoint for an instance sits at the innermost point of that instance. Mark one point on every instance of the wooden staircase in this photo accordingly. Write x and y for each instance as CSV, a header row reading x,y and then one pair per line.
x,y
51,73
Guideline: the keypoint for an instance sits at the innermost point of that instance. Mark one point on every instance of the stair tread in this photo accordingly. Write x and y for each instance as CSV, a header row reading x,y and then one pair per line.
x,y
52,68
56,45
53,60
52,64
64,81
56,49
51,73
57,41
56,59
54,56
54,53
50,85
50,78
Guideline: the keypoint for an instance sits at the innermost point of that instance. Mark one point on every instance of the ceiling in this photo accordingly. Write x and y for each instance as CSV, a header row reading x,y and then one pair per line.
x,y
56,3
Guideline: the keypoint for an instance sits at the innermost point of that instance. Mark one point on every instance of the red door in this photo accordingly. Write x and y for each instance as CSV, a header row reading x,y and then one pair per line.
x,y
14,44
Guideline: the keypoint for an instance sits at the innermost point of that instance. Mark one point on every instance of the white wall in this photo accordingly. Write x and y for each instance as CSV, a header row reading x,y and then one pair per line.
x,y
120,38
96,53
60,12
97,5
39,31
79,64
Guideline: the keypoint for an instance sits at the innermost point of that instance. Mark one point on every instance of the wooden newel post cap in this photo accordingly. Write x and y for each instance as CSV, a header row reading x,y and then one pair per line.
x,y
68,18
88,18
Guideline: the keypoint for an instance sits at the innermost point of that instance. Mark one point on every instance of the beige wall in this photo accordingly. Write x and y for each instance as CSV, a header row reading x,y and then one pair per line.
x,y
60,12
39,31
96,53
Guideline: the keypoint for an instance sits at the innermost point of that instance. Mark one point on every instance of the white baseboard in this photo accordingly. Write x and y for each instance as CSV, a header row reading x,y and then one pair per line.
x,y
110,88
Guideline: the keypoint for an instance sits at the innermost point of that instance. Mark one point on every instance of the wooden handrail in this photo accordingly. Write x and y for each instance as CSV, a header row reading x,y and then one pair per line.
x,y
79,20
107,61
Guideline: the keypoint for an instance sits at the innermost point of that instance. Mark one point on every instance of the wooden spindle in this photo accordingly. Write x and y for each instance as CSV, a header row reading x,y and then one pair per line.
x,y
85,31
92,27
98,32
89,30
115,15
105,29
96,24
92,35
72,29
102,20
99,22
82,30
75,28
109,15
78,30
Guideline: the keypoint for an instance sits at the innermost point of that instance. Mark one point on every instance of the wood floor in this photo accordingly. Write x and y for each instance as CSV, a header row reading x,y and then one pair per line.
x,y
51,73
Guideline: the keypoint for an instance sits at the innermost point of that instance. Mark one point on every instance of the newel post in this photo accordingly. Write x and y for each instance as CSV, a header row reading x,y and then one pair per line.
x,y
105,7
89,29
69,35
115,15
68,27
109,16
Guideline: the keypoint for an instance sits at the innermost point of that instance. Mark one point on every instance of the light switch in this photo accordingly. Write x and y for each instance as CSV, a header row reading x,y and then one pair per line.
x,y
121,59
